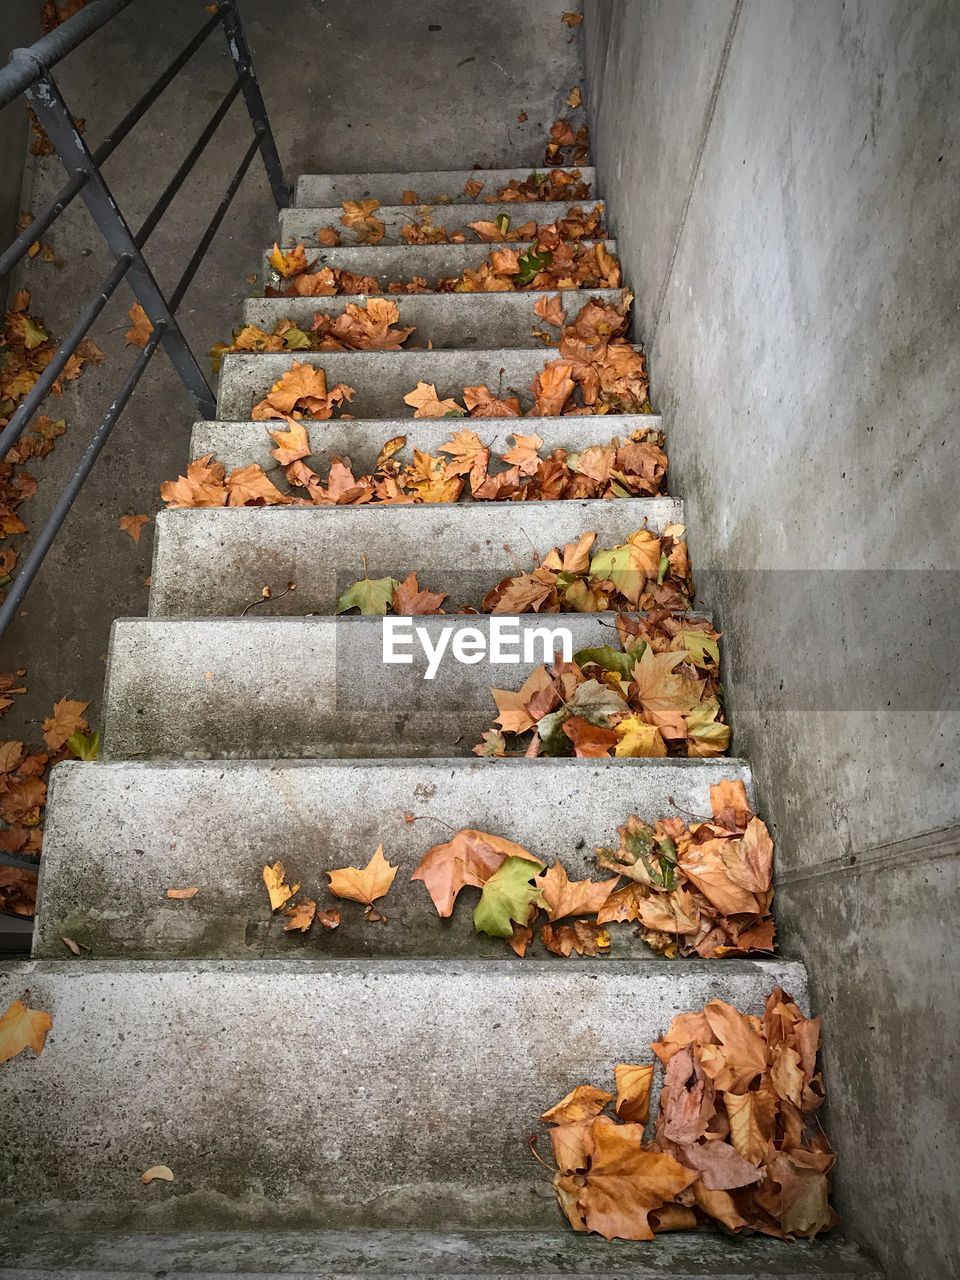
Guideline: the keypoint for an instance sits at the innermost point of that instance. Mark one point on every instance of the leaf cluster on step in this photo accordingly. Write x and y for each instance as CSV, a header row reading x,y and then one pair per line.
x,y
736,1139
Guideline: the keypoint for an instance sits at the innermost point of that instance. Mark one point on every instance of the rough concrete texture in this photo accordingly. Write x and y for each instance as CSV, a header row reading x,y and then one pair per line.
x,y
359,440
211,562
446,186
238,694
482,320
19,25
382,378
392,1255
328,1094
390,262
379,85
301,225
814,266
120,835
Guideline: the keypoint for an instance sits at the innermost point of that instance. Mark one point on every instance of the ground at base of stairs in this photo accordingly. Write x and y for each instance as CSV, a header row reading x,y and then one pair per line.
x,y
389,1255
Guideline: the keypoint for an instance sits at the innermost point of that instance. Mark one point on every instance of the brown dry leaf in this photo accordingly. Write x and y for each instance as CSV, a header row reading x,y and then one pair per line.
x,y
138,335
574,97
293,443
329,237
133,525
633,1091
583,1103
572,19
425,400
564,897
469,858
275,878
300,916
409,601
550,309
289,262
329,918
472,187
66,720
302,391
183,894
363,884
23,1028
585,937
358,217
514,715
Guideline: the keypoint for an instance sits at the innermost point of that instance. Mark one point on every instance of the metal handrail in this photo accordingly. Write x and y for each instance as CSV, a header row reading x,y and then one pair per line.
x,y
29,73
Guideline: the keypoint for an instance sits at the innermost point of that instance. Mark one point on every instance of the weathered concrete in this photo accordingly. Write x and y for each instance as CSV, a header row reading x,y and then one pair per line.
x,y
392,1255
211,562
814,266
318,190
19,25
292,688
382,378
432,262
322,1093
301,225
461,320
236,444
120,835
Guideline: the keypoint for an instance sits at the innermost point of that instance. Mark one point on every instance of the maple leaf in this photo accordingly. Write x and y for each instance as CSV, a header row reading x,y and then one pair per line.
x,y
358,217
729,804
428,405
633,1091
202,486
302,388
138,335
292,443
482,403
583,1103
364,884
572,19
509,895
564,897
372,596
469,858
512,706
289,262
409,601
468,454
590,741
552,388
638,740
134,525
23,1028
524,453
581,936
249,485
741,1055
275,878
550,309
67,718
300,916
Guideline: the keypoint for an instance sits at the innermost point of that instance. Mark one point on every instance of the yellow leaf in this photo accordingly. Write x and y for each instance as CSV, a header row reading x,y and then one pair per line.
x,y
275,879
638,739
22,1028
363,884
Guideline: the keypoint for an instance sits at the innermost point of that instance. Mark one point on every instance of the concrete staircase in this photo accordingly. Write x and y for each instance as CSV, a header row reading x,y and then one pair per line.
x,y
353,1102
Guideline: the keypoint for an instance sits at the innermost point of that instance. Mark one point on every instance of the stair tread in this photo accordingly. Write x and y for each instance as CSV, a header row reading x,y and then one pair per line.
x,y
381,379
323,1255
300,225
237,444
329,1093
315,189
215,561
108,841
447,320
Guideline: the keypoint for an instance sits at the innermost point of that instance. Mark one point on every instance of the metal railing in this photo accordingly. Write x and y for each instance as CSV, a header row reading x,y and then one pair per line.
x,y
29,73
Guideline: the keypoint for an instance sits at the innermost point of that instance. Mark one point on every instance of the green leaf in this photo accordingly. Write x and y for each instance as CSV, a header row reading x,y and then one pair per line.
x,y
552,738
609,658
703,724
372,596
33,334
503,223
531,263
508,895
296,340
703,648
662,568
85,746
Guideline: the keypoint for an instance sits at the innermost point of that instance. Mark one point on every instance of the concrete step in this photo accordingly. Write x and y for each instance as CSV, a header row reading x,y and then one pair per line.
x,y
329,1094
323,189
302,225
484,320
302,688
432,262
382,378
119,835
402,1255
237,444
216,561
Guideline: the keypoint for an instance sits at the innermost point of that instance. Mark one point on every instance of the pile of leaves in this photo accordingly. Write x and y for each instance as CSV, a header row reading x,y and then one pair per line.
x,y
736,1141
645,572
371,326
568,145
23,788
659,695
366,885
25,351
554,185
634,467
360,218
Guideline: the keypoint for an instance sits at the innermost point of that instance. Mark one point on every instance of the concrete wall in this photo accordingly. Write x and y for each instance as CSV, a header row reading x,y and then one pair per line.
x,y
782,177
19,25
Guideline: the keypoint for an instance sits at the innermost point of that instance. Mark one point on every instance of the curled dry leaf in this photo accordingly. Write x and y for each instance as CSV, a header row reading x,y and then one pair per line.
x,y
138,335
158,1173
183,895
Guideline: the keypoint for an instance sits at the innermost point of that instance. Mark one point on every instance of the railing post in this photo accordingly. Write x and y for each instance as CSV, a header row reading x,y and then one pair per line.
x,y
54,115
246,73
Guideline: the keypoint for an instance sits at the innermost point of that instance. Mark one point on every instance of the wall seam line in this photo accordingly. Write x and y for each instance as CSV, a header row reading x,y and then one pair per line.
x,y
705,132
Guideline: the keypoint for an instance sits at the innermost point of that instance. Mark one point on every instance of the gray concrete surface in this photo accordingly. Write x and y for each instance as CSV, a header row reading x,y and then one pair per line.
x,y
236,444
19,25
237,694
120,835
319,189
811,263
376,89
400,262
328,1094
382,378
301,225
482,320
400,1255
216,561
